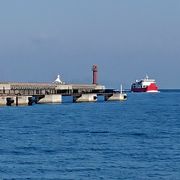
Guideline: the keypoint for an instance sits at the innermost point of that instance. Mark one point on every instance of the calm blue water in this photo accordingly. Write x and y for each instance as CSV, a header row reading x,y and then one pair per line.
x,y
136,139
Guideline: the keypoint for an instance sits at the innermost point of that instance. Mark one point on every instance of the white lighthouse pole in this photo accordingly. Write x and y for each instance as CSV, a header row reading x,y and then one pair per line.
x,y
121,89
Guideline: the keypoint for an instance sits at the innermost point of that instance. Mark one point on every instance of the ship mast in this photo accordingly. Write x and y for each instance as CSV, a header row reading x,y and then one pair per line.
x,y
121,90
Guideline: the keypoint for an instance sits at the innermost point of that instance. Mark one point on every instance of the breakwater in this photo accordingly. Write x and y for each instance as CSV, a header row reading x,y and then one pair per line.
x,y
29,93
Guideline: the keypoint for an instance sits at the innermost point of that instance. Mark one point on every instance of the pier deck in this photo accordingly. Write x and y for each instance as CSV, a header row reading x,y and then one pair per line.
x,y
48,88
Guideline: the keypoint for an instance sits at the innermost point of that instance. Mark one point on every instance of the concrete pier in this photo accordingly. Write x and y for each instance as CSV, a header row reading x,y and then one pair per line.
x,y
116,97
47,99
85,98
46,93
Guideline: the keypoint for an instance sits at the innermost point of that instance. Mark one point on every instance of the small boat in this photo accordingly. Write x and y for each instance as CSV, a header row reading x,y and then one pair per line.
x,y
144,85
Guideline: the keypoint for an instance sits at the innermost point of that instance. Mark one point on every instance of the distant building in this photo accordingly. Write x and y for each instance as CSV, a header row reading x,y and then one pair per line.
x,y
58,80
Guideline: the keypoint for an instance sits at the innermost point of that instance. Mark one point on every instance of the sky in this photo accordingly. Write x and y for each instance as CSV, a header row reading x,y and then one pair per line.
x,y
127,39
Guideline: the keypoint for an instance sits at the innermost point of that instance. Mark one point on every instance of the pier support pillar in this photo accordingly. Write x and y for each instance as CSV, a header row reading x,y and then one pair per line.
x,y
22,100
15,100
3,101
85,98
116,97
47,99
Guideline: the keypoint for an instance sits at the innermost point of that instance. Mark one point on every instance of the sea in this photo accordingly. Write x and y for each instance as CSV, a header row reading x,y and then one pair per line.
x,y
134,139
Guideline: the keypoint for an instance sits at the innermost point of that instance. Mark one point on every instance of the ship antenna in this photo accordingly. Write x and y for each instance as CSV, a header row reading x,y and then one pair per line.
x,y
147,76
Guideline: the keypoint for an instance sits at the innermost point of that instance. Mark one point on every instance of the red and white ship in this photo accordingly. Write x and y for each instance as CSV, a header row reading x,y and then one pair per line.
x,y
144,85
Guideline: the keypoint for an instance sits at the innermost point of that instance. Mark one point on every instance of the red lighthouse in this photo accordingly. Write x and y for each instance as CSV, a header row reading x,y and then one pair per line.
x,y
95,71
